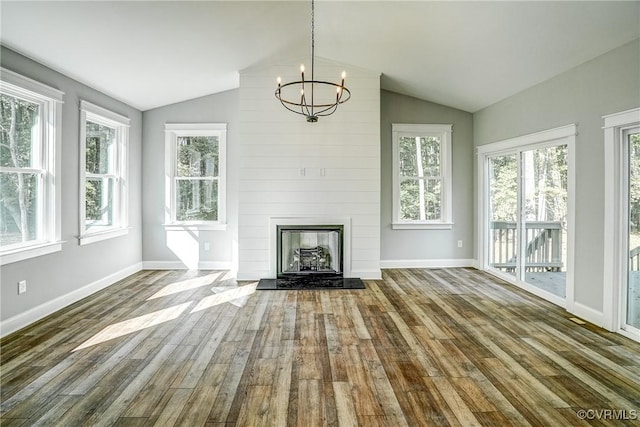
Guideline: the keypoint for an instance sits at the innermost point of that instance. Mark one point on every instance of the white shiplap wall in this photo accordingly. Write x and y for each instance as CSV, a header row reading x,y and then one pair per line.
x,y
291,168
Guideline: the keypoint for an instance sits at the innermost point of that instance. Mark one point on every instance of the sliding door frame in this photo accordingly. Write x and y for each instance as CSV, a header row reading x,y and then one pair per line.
x,y
564,135
616,219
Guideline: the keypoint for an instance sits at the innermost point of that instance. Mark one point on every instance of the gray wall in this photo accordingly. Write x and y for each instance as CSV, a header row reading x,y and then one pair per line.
x,y
605,85
58,274
428,244
218,108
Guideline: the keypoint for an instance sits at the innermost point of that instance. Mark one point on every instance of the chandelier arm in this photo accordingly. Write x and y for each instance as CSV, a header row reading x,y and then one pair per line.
x,y
284,104
333,109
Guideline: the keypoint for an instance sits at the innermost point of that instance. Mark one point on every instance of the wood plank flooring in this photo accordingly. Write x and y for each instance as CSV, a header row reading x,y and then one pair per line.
x,y
444,347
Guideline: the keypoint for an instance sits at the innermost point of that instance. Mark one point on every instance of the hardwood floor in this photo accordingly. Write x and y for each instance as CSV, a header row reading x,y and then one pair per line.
x,y
421,347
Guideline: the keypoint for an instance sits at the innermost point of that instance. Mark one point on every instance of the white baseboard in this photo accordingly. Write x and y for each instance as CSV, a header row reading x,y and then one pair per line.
x,y
177,265
587,313
33,315
427,263
367,274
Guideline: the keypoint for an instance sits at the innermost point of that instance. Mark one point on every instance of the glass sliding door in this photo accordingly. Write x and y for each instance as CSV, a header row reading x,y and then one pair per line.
x,y
504,241
631,290
544,191
526,221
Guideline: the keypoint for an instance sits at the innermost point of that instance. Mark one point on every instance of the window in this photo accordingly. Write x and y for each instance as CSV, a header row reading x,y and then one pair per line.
x,y
421,176
104,137
195,170
29,168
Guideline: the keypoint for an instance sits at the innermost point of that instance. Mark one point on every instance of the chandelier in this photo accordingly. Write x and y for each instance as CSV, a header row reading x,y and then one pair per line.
x,y
316,97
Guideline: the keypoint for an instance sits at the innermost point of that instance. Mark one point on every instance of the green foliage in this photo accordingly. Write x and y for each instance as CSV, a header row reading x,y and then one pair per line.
x,y
100,154
197,198
197,156
18,191
100,148
503,182
545,177
420,197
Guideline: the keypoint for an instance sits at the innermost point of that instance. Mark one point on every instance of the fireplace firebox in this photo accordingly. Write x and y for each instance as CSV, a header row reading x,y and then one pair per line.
x,y
310,250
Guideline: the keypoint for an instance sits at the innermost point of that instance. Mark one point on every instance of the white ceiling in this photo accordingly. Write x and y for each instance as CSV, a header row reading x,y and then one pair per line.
x,y
466,55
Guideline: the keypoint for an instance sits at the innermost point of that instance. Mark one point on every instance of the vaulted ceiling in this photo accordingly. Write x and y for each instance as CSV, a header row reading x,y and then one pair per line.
x,y
467,55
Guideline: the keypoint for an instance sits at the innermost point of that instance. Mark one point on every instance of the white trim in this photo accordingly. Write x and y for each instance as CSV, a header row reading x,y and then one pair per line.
x,y
103,235
444,132
426,263
587,313
102,114
273,238
203,226
623,118
30,252
252,275
178,265
367,274
23,83
195,129
615,217
417,225
550,136
49,141
632,335
563,135
30,316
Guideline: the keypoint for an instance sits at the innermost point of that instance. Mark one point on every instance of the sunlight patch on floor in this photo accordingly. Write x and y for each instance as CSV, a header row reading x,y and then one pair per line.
x,y
136,324
185,285
236,295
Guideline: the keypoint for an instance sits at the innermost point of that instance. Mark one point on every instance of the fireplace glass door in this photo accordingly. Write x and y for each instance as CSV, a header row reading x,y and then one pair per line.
x,y
303,251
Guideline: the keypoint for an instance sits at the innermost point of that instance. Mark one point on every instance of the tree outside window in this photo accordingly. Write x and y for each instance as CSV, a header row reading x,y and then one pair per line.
x,y
103,173
422,165
195,170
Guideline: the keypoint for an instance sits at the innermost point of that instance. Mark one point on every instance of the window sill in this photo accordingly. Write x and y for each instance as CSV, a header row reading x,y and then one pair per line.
x,y
422,225
102,235
22,254
214,226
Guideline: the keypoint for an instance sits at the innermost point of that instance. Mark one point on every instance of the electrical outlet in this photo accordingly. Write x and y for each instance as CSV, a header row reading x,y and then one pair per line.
x,y
459,243
22,287
207,246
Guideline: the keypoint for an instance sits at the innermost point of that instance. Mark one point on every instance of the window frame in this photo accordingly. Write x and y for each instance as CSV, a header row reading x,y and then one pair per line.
x,y
50,102
173,131
95,114
444,133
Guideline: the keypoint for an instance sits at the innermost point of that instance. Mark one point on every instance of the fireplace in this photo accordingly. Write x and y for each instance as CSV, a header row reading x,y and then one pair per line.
x,y
310,253
304,250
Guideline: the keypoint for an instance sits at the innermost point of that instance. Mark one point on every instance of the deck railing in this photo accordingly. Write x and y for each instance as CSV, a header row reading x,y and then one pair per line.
x,y
543,250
